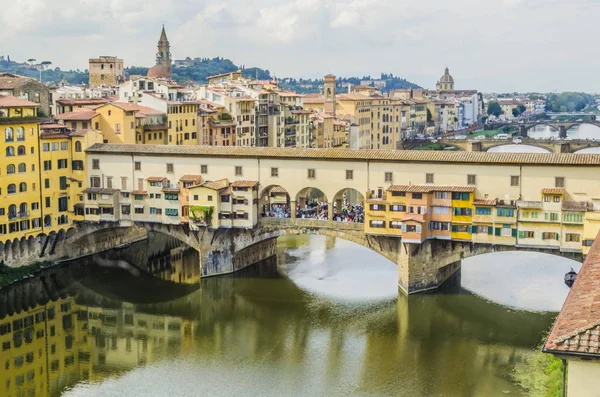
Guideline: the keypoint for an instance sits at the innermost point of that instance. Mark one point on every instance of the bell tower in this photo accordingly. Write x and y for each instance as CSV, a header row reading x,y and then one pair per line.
x,y
163,56
329,93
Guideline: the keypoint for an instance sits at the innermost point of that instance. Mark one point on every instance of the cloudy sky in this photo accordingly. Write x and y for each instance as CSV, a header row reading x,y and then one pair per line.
x,y
490,45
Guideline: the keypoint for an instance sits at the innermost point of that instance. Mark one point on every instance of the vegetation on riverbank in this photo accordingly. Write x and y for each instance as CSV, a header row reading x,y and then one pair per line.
x,y
492,133
541,375
434,146
11,274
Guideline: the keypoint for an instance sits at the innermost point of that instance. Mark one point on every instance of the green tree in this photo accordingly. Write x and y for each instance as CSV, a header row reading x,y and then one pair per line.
x,y
494,108
522,108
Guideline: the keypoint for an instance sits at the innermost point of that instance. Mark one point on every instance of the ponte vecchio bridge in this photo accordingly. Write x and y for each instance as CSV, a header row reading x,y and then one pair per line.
x,y
507,178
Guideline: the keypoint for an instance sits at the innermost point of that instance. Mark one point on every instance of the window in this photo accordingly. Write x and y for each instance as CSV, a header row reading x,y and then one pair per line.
x,y
209,198
388,176
377,207
62,163
483,211
78,146
377,224
109,180
10,169
47,204
526,234
549,236
459,211
398,208
514,180
441,195
47,165
395,225
117,128
587,243
22,187
417,196
559,181
510,212
441,210
204,169
138,166
470,179
46,147
461,229
94,181
312,173
428,178
551,216
22,168
55,146
572,238
464,196
557,199
170,168
95,164
9,135
64,146
10,151
349,174
20,134
570,217
12,188
547,198
21,151
439,226
274,172
139,210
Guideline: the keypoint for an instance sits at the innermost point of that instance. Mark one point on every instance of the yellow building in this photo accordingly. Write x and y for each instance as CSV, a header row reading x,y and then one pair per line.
x,y
117,122
462,214
20,189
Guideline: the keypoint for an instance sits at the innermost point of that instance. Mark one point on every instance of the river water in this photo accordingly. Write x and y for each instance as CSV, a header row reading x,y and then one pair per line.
x,y
323,318
583,131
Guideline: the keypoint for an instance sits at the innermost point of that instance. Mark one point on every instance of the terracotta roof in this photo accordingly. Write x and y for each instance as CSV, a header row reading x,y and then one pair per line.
x,y
77,115
553,190
244,183
10,101
412,219
421,156
139,192
170,189
51,126
108,191
577,328
190,178
530,204
156,178
574,206
353,97
484,202
301,112
82,101
213,185
91,190
430,188
278,189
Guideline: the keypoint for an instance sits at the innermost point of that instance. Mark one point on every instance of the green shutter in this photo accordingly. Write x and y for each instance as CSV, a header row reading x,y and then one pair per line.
x,y
521,234
514,232
469,212
498,230
490,230
454,228
556,236
470,229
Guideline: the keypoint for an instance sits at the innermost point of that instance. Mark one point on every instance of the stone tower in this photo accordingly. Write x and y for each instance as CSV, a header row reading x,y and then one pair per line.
x,y
329,94
163,57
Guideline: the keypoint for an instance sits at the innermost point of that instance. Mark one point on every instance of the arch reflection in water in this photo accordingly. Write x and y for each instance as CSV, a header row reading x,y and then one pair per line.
x,y
260,333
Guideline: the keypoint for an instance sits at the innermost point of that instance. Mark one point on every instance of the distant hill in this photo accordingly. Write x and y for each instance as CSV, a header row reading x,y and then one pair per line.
x,y
199,69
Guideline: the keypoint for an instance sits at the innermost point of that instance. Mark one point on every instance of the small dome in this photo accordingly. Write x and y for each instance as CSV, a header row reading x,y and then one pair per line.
x,y
447,78
158,71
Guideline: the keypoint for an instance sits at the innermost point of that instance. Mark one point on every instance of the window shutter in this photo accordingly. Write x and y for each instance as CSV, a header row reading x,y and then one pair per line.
x,y
521,234
418,228
556,236
514,232
490,230
403,228
498,231
469,212
454,228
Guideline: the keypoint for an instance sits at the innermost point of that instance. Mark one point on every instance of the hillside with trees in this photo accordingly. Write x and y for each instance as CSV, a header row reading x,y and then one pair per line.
x,y
569,102
199,69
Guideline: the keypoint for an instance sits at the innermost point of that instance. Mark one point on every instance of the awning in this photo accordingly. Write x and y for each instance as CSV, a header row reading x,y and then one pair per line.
x,y
138,206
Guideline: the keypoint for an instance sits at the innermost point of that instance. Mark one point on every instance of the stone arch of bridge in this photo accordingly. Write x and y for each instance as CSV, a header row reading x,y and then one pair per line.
x,y
275,200
533,143
311,202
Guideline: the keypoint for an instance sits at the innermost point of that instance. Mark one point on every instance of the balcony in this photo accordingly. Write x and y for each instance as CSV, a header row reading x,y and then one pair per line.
x,y
290,132
156,127
291,121
12,216
24,214
374,196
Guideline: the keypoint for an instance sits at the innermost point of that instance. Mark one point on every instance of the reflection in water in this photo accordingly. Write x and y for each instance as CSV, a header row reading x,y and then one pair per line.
x,y
260,332
583,131
589,150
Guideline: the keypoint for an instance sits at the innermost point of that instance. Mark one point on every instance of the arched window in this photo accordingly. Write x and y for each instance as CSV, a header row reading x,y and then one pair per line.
x,y
20,134
10,151
8,135
12,211
22,187
78,146
47,221
10,169
12,188
22,167
21,151
23,209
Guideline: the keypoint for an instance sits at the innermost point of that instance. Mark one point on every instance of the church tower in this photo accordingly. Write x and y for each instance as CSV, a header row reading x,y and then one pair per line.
x,y
162,69
163,57
329,93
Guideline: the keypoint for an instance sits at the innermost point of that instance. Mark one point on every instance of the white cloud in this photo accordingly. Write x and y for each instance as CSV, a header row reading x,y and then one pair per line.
x,y
509,45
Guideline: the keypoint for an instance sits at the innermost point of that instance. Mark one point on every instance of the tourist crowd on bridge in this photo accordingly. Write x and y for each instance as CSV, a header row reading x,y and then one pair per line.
x,y
313,209
349,213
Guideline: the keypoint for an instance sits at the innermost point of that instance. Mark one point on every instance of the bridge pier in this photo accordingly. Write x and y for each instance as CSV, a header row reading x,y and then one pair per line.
x,y
563,132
